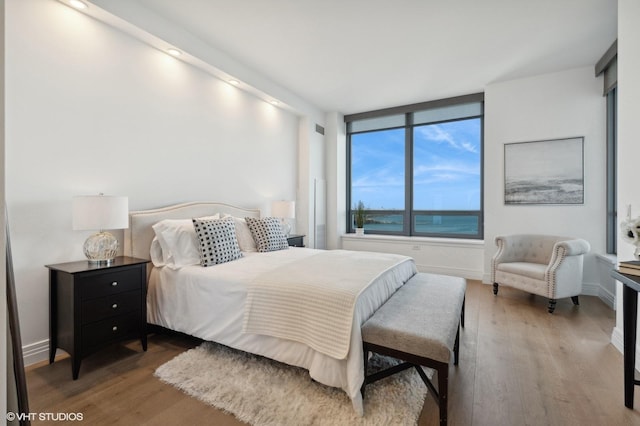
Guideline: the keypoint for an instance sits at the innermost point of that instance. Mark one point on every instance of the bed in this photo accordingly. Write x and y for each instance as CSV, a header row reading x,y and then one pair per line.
x,y
227,302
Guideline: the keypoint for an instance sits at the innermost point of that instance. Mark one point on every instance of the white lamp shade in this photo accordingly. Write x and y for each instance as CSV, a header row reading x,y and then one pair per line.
x,y
283,209
98,212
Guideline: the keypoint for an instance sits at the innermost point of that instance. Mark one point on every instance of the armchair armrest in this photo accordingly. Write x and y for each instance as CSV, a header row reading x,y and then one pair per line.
x,y
505,252
573,247
562,250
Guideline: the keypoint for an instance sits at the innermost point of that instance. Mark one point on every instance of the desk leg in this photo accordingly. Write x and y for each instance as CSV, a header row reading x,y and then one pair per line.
x,y
630,323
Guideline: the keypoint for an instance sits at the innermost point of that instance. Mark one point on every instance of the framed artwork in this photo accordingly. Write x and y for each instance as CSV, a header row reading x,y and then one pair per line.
x,y
544,172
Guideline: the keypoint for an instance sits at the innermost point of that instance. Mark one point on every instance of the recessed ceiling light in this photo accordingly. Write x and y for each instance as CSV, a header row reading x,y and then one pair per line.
x,y
174,52
78,4
234,82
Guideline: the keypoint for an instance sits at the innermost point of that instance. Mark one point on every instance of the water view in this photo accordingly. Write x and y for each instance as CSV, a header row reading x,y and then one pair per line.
x,y
432,224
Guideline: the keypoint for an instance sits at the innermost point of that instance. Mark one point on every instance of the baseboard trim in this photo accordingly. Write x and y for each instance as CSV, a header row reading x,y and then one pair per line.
x,y
35,352
457,272
617,340
595,289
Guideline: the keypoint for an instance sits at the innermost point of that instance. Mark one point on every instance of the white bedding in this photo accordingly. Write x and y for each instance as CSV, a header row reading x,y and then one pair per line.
x,y
209,303
313,300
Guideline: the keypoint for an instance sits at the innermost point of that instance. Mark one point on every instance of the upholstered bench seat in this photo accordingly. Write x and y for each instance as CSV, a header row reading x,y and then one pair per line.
x,y
419,324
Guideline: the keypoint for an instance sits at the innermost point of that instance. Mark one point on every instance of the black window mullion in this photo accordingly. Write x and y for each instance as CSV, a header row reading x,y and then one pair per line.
x,y
349,217
408,178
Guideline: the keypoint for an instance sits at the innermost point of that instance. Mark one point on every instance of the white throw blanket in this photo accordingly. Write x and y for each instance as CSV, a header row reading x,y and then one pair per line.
x,y
312,300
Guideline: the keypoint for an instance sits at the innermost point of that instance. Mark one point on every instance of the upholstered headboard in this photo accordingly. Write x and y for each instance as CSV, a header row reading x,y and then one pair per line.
x,y
138,237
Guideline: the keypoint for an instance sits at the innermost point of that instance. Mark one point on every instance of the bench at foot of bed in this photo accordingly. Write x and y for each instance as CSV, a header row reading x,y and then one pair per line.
x,y
419,324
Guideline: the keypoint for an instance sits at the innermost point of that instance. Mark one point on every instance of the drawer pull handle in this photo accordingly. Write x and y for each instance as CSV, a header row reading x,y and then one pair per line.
x,y
114,306
115,283
115,328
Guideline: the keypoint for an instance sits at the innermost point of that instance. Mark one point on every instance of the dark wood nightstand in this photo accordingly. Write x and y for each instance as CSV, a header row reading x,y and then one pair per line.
x,y
92,306
295,240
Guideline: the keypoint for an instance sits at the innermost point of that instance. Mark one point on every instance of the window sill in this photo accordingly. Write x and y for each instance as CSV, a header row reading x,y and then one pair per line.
x,y
401,239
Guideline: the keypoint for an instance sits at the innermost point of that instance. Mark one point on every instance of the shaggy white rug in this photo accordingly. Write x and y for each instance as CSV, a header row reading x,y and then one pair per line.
x,y
260,391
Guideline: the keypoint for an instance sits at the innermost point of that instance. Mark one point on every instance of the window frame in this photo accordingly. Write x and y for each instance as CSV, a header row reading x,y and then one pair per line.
x,y
612,184
409,214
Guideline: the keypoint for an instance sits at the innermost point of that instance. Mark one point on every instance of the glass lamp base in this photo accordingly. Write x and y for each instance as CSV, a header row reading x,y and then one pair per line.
x,y
286,227
101,248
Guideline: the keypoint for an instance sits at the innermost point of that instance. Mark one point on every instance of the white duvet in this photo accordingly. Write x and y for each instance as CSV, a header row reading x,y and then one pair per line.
x,y
209,303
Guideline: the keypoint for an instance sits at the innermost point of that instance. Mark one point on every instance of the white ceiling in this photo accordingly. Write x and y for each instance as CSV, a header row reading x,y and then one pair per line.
x,y
359,55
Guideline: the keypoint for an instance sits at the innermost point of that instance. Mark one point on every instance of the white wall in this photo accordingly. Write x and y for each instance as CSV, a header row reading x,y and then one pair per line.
x,y
448,256
90,109
628,144
311,166
336,149
551,106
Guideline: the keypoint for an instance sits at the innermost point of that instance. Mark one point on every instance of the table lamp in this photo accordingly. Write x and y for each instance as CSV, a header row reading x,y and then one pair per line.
x,y
284,210
100,212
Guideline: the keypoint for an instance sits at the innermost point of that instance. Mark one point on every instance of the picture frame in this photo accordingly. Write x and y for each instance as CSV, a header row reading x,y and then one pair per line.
x,y
544,172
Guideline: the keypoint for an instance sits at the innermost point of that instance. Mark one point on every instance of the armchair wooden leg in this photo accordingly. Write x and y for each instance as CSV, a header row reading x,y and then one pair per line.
x,y
495,288
575,300
552,305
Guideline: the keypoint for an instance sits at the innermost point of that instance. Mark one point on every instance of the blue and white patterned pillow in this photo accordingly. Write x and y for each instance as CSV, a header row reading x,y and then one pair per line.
x,y
218,242
268,234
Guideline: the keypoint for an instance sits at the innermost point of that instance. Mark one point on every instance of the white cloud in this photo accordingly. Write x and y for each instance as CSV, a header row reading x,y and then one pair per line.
x,y
436,133
442,168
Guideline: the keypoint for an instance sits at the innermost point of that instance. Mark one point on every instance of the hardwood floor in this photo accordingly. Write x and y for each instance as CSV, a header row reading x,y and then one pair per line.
x,y
519,365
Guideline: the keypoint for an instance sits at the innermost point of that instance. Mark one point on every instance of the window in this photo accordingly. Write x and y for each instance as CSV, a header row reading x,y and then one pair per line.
x,y
418,169
607,66
612,141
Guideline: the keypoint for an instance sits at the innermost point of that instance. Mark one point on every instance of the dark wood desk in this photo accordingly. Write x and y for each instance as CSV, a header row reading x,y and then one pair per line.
x,y
630,288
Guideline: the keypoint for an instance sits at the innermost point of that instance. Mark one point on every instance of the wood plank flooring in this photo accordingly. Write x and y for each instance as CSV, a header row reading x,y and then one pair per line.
x,y
519,365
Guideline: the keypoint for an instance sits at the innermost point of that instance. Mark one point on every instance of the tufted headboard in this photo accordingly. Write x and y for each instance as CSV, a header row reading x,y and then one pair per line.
x,y
138,237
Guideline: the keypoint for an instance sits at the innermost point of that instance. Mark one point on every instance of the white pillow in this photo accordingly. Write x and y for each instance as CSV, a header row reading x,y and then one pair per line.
x,y
157,256
179,243
243,234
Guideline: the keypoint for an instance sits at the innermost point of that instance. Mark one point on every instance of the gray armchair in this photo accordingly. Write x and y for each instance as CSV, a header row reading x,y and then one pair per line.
x,y
545,265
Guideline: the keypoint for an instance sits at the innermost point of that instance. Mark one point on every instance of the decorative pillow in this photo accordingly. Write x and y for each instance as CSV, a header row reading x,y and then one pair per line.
x,y
268,234
243,233
218,242
178,241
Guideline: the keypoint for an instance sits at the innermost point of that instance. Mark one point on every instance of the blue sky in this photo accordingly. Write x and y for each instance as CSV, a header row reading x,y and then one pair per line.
x,y
446,167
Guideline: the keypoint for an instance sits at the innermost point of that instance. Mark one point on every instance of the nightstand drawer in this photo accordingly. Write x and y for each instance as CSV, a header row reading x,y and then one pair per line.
x,y
110,330
110,306
104,284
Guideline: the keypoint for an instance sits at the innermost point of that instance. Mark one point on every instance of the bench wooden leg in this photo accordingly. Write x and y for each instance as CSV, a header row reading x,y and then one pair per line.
x,y
443,392
366,364
456,348
442,370
464,300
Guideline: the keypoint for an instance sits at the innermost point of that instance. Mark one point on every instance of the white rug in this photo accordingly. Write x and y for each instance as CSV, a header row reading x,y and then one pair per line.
x,y
261,392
